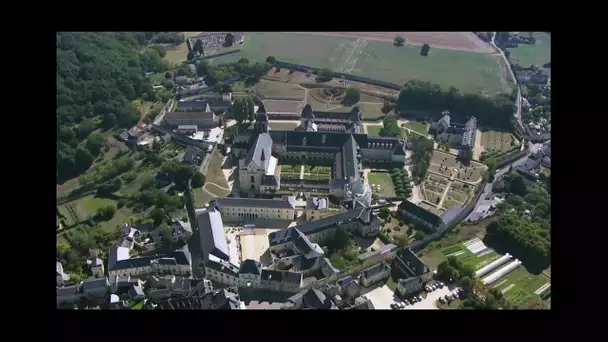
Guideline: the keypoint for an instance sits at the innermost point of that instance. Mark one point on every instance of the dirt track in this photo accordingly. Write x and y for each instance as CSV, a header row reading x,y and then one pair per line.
x,y
464,41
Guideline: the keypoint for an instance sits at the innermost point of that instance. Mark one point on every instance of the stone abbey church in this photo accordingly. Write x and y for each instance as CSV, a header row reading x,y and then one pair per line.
x,y
323,138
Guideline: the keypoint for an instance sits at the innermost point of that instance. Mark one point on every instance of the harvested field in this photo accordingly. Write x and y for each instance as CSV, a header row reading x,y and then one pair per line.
x,y
275,89
282,106
466,41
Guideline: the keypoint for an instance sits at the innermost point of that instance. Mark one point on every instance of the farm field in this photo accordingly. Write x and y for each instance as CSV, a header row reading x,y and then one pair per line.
x,y
316,51
373,130
538,54
382,179
418,126
467,71
282,125
499,141
518,286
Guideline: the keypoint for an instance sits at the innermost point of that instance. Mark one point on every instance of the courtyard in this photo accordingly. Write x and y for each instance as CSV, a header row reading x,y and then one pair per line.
x,y
381,183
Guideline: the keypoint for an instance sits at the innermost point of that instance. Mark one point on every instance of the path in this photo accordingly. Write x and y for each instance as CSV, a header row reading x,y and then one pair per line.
x,y
518,100
213,194
444,195
302,172
305,94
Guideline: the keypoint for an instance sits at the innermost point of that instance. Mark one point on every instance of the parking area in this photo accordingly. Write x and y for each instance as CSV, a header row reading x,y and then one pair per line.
x,y
430,302
381,297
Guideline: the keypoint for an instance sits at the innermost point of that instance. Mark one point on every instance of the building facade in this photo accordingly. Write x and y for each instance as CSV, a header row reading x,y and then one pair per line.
x,y
189,118
239,209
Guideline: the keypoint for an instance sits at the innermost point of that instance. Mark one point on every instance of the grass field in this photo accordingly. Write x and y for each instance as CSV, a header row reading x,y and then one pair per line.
x,y
467,71
87,206
383,179
538,54
279,89
215,175
283,126
369,110
316,51
500,141
373,131
179,53
418,126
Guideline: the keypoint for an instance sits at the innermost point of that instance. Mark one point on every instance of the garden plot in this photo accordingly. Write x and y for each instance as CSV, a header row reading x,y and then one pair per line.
x,y
475,245
290,171
317,172
519,286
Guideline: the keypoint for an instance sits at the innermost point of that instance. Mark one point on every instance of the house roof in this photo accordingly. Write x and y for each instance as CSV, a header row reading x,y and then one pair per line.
x,y
212,234
284,203
281,276
250,266
190,116
421,213
311,298
193,105
449,214
362,304
310,227
303,244
221,265
191,153
170,258
94,283
68,291
260,152
117,254
351,167
413,264
376,269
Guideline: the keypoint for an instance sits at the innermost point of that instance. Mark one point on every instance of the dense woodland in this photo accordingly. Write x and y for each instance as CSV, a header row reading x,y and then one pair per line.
x,y
494,112
526,235
98,75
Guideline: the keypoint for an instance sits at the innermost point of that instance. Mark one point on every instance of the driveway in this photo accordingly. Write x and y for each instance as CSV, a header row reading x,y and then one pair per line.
x,y
381,297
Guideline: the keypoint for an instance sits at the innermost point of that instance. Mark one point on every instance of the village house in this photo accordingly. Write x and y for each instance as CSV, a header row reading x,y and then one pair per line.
x,y
411,273
316,206
375,274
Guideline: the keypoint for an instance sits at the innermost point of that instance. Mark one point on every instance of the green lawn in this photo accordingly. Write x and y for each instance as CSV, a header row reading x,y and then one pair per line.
x,y
283,126
373,131
383,179
418,126
467,71
537,54
137,305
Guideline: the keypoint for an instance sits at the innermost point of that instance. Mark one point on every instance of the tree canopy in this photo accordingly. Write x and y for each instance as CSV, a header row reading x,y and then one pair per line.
x,y
422,152
399,41
492,112
98,75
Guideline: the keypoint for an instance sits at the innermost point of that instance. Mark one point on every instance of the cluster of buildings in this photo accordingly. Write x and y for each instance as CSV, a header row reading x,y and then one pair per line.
x,y
204,112
430,221
260,149
460,136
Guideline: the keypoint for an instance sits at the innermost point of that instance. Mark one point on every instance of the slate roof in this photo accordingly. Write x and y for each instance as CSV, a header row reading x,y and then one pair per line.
x,y
412,263
376,269
345,281
199,106
171,258
449,214
212,235
310,227
191,153
190,115
94,283
68,291
117,254
281,276
302,243
222,202
421,213
221,265
350,164
250,266
362,304
221,299
311,298
260,152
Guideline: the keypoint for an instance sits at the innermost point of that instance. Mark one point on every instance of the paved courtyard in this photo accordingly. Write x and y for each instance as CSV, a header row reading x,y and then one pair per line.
x,y
430,302
381,297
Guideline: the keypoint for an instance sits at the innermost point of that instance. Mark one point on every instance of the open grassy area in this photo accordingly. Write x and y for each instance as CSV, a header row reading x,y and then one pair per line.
x,y
373,130
369,110
86,207
499,141
275,89
538,54
467,71
179,53
382,179
418,126
213,176
283,126
316,51
519,285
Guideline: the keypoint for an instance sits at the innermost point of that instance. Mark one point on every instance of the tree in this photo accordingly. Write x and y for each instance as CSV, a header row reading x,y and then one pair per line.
x,y
384,213
445,270
249,107
198,47
491,302
424,51
352,95
340,240
229,40
517,185
399,41
168,75
466,283
325,75
94,144
170,166
198,180
158,216
223,88
271,60
419,235
109,121
239,110
82,159
166,241
183,174
162,51
105,213
202,68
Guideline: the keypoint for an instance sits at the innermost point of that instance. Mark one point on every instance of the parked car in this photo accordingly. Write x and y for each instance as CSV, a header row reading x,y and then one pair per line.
x,y
441,285
441,300
427,289
419,298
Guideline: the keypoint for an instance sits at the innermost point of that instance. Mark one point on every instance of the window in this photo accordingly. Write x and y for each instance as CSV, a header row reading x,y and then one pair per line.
x,y
252,179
